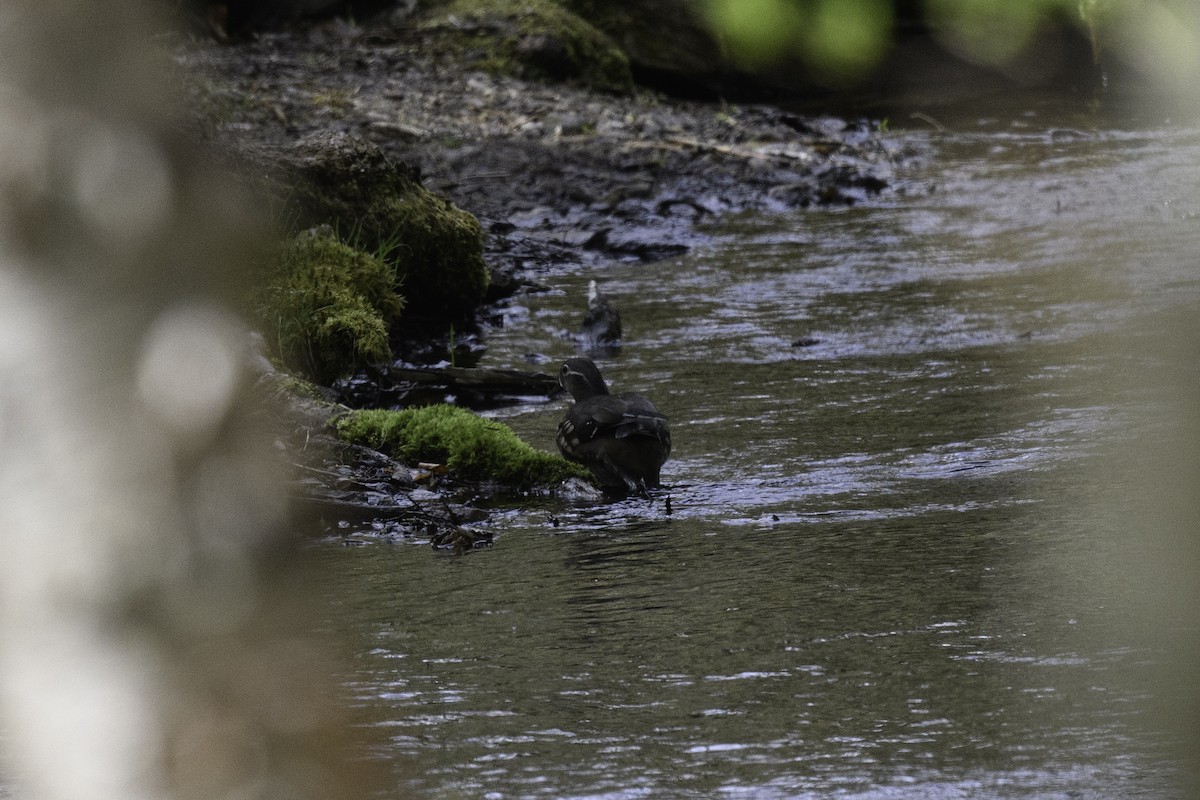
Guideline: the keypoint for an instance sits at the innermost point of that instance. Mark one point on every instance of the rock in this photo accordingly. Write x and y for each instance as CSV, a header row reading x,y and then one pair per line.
x,y
532,39
643,242
568,123
666,41
579,490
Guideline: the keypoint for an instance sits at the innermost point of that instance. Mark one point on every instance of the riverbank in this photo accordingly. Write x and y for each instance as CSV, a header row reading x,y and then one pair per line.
x,y
558,173
556,170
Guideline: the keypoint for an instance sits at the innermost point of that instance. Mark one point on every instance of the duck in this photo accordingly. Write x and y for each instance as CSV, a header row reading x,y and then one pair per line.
x,y
601,331
622,438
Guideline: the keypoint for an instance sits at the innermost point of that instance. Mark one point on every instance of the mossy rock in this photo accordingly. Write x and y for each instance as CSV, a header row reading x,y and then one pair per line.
x,y
671,39
437,252
379,205
325,307
531,39
473,448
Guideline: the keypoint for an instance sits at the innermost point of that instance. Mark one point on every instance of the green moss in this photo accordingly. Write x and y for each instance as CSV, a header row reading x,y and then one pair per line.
x,y
327,308
532,38
472,447
438,253
434,247
288,384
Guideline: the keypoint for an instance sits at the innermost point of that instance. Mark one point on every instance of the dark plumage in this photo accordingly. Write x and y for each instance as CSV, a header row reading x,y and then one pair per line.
x,y
601,331
623,439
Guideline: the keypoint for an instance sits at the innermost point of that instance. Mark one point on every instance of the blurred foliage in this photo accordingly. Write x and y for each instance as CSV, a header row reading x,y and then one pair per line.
x,y
842,40
838,39
993,32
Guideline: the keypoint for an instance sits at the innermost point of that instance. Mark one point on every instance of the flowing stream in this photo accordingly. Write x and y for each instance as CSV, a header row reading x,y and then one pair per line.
x,y
887,570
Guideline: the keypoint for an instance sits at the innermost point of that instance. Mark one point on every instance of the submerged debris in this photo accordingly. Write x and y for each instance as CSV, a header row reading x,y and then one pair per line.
x,y
462,540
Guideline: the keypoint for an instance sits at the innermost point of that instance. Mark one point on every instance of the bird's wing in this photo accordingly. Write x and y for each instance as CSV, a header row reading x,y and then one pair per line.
x,y
588,419
607,410
620,416
639,417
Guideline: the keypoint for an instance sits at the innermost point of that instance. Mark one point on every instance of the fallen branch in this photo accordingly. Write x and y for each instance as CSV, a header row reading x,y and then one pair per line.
x,y
485,380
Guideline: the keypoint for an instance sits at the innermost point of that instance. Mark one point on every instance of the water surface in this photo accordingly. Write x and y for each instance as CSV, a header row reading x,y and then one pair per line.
x,y
884,572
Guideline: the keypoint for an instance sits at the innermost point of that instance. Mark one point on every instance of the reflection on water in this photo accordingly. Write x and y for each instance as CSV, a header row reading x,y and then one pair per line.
x,y
881,573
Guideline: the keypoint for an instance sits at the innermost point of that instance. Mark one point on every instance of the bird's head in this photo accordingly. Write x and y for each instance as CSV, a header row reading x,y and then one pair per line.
x,y
580,377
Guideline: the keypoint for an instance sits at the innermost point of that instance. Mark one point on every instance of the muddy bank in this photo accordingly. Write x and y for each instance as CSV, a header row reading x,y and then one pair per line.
x,y
552,170
356,484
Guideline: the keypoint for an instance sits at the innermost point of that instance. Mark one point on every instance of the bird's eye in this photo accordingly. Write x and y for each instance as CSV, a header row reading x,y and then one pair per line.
x,y
565,369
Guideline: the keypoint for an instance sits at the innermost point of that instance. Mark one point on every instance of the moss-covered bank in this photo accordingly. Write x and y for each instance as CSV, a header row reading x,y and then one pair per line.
x,y
326,308
530,39
472,448
435,248
373,243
